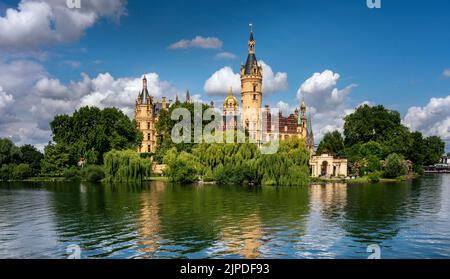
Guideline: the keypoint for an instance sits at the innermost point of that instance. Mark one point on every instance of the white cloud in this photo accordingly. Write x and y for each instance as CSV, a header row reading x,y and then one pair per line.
x,y
220,82
51,88
285,108
198,42
225,55
38,23
273,82
326,103
5,99
446,73
433,119
38,98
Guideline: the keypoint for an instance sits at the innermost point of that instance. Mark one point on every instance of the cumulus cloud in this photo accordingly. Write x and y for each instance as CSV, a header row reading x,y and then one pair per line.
x,y
225,55
38,98
198,42
446,73
326,103
51,88
220,82
5,99
273,82
36,23
432,119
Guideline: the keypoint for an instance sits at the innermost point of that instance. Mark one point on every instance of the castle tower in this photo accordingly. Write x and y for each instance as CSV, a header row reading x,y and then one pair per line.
x,y
145,119
251,93
230,111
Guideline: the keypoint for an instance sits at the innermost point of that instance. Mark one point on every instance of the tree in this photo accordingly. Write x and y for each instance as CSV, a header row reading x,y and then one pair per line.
x,y
9,153
126,166
183,167
164,129
395,166
21,171
56,160
416,151
332,143
91,132
371,124
434,149
31,156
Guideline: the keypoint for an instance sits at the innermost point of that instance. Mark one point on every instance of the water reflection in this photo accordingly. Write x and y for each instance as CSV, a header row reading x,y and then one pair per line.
x,y
159,220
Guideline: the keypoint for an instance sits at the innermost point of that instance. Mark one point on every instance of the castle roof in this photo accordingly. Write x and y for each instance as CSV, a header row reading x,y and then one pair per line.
x,y
251,58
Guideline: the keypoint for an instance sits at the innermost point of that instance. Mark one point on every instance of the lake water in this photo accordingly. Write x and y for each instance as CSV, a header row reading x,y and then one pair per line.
x,y
159,220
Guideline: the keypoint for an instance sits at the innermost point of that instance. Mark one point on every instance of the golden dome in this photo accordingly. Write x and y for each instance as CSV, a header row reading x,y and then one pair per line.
x,y
230,101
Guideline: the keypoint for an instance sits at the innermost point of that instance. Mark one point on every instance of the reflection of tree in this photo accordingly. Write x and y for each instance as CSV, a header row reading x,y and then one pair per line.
x,y
374,211
99,218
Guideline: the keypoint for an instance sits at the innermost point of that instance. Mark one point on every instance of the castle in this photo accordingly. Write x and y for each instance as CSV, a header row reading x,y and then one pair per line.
x,y
260,124
146,114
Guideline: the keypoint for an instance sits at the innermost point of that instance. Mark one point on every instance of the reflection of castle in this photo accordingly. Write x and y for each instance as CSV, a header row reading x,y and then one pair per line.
x,y
262,126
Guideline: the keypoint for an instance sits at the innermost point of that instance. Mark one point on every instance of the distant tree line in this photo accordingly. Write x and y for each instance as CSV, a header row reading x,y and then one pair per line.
x,y
372,134
18,162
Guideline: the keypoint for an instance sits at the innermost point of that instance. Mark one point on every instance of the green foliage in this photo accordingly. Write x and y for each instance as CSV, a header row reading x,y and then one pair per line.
x,y
15,172
126,166
9,153
72,174
31,156
21,171
5,172
243,163
93,173
91,132
56,160
435,148
394,166
370,124
332,144
374,177
182,167
164,129
377,132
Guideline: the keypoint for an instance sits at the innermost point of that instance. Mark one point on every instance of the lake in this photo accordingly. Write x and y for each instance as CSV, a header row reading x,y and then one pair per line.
x,y
160,220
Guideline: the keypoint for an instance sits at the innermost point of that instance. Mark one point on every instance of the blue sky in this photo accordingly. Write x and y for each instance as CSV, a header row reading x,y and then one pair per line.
x,y
396,55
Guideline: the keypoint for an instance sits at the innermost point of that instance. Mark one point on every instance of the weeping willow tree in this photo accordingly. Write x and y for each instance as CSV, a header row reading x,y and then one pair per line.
x,y
126,166
244,163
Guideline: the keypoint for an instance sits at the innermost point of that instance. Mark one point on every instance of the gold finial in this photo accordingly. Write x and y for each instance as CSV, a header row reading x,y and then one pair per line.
x,y
230,92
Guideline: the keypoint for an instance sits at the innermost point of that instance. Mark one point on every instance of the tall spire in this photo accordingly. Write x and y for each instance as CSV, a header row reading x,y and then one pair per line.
x,y
251,41
251,62
144,81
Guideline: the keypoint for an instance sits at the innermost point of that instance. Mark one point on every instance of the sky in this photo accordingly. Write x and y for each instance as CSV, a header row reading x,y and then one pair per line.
x,y
337,54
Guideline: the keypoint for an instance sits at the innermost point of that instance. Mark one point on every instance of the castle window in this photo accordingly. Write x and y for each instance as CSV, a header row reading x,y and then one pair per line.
x,y
149,136
254,97
148,125
149,148
254,88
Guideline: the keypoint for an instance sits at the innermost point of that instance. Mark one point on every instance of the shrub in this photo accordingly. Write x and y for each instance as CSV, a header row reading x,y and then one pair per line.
x,y
21,171
5,172
374,177
72,174
183,167
394,166
93,173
